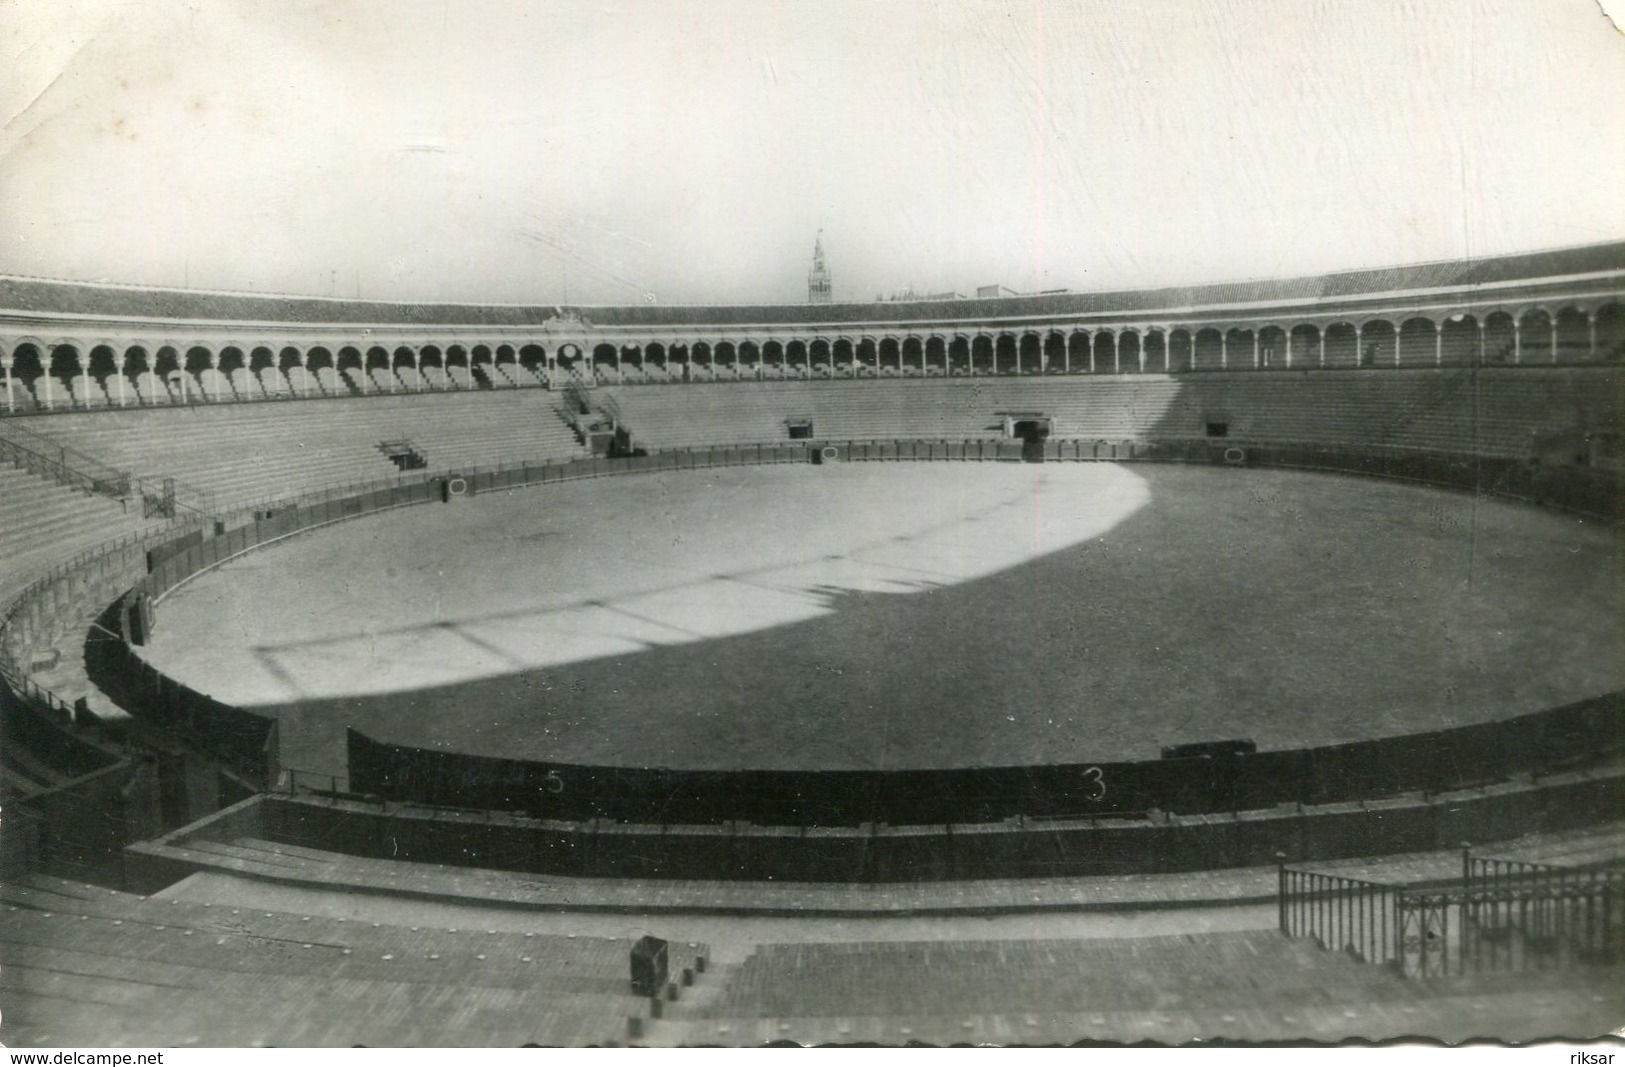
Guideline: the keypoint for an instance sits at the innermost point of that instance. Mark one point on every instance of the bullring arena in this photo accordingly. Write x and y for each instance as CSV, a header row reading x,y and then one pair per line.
x,y
424,658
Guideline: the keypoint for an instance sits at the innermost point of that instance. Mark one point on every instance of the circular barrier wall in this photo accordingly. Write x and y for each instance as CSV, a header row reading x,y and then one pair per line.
x,y
1040,632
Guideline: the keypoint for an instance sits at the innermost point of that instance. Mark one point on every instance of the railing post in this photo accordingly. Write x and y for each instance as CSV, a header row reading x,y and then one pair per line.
x,y
1280,893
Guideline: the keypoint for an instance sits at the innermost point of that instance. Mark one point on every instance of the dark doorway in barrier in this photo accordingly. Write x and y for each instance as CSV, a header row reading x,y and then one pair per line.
x,y
1033,433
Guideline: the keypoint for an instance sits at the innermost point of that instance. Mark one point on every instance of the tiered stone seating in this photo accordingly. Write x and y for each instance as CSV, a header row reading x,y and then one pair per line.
x,y
1096,409
1489,412
91,966
1046,990
246,453
46,522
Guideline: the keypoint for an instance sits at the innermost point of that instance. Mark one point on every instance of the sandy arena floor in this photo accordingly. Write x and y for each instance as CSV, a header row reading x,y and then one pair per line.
x,y
907,615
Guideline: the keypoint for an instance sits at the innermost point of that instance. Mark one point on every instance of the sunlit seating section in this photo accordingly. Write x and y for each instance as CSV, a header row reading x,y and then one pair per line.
x,y
46,522
245,453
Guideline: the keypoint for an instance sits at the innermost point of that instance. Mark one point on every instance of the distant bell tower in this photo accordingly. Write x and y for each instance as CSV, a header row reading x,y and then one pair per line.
x,y
818,288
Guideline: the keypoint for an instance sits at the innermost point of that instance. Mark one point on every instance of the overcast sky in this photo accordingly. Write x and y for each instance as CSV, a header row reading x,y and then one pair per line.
x,y
601,150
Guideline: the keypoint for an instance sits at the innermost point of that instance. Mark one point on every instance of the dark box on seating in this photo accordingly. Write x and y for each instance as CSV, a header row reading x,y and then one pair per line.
x,y
648,966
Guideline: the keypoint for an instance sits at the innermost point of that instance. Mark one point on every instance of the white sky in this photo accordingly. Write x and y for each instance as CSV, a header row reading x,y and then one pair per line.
x,y
595,150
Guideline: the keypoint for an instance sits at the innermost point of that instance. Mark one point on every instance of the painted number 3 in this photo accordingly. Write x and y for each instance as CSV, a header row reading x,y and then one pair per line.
x,y
1094,784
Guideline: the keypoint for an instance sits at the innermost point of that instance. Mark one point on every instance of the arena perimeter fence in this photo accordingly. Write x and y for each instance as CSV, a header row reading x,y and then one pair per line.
x,y
246,743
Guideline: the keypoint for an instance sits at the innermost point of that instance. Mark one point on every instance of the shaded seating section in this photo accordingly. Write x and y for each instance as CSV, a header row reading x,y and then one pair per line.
x,y
243,454
1492,412
93,966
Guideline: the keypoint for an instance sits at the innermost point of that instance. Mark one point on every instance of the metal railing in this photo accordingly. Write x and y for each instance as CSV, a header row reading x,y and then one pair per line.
x,y
1505,915
1343,914
39,454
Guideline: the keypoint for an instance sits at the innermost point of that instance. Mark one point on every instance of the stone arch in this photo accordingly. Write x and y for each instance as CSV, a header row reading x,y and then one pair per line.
x,y
62,381
1053,351
725,356
1417,343
1342,344
1130,351
1458,341
1207,349
1155,347
820,357
261,357
29,362
1378,343
1272,347
981,354
347,367
1609,322
1534,336
911,356
889,355
1181,345
1103,352
102,369
1076,357
1500,337
198,375
934,355
1238,347
1029,352
1303,342
1004,353
1573,331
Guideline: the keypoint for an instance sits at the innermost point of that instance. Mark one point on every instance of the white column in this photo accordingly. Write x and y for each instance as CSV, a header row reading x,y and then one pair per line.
x,y
50,401
1438,344
5,368
123,377
1517,341
214,365
1321,334
1224,350
1554,338
1117,352
1257,359
1397,330
1591,324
